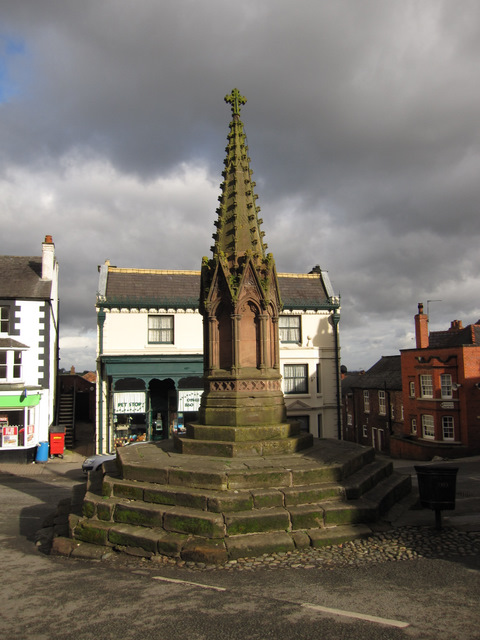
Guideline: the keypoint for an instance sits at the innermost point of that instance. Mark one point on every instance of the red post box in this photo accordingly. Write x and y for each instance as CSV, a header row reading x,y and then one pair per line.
x,y
57,443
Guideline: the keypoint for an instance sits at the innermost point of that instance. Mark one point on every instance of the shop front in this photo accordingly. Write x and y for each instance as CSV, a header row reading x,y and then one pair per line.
x,y
146,399
19,431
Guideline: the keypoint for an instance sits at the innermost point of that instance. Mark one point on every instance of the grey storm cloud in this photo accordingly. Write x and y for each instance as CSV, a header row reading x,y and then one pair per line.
x,y
362,122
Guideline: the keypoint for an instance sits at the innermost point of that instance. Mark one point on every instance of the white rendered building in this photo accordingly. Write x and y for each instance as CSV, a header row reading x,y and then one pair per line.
x,y
28,351
150,352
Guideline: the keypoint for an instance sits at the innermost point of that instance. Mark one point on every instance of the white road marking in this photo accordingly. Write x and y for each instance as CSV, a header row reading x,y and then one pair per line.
x,y
193,584
359,616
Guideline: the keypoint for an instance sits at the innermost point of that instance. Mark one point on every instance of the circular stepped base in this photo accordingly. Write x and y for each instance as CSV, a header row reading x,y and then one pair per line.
x,y
214,509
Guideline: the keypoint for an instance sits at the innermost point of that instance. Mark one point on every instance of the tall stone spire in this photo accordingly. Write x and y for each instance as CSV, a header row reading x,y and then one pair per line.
x,y
239,244
238,226
240,302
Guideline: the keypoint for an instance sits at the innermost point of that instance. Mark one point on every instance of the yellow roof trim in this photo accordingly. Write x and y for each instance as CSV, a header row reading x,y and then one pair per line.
x,y
308,276
155,271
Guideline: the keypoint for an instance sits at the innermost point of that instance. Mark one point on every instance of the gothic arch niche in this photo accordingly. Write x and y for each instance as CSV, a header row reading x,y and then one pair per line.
x,y
223,344
250,335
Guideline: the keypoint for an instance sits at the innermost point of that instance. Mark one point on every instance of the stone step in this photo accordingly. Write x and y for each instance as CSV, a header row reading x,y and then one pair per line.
x,y
366,478
242,434
202,522
386,493
245,449
124,537
228,508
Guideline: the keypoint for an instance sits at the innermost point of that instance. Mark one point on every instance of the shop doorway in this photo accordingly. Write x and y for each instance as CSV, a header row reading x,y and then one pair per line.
x,y
163,408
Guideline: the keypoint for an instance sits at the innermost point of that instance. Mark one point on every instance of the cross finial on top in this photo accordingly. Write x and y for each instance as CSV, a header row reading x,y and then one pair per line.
x,y
235,99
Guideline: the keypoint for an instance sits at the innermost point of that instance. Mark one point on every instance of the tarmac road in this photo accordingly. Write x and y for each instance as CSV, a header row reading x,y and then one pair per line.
x,y
47,597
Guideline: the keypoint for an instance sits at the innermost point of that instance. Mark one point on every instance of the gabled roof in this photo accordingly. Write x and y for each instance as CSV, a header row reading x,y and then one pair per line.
x,y
21,278
181,289
385,374
455,338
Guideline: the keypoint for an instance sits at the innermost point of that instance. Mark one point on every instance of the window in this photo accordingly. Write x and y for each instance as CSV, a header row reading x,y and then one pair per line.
x,y
392,412
295,378
366,401
448,431
401,412
349,419
160,329
428,427
4,319
426,386
413,427
304,423
10,365
364,431
319,378
382,403
412,389
446,385
17,364
289,329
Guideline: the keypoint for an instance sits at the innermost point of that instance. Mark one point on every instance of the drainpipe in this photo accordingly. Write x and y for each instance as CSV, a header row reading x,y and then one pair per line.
x,y
100,323
336,320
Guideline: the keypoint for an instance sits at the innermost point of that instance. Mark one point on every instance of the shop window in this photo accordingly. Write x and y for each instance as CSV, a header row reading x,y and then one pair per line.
x,y
428,427
382,403
289,329
160,329
295,378
366,401
448,429
4,319
426,386
446,385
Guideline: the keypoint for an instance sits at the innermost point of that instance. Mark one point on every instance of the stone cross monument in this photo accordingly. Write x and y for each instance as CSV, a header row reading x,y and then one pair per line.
x,y
243,409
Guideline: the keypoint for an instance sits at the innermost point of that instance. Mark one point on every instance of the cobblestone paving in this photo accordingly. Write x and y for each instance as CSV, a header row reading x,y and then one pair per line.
x,y
399,545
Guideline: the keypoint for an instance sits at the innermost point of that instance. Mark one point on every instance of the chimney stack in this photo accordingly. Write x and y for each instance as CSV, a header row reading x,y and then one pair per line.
x,y
456,325
421,328
48,258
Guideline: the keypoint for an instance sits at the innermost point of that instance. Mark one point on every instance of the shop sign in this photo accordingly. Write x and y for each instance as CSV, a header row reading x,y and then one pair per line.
x,y
9,437
189,400
129,402
447,405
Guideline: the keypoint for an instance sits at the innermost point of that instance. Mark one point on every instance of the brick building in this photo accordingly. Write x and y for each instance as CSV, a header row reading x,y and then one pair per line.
x,y
372,404
441,393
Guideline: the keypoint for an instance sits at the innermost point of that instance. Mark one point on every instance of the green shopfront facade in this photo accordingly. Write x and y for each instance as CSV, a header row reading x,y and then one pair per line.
x,y
19,424
145,397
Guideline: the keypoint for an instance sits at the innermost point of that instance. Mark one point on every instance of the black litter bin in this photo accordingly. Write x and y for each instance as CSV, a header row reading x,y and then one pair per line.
x,y
437,486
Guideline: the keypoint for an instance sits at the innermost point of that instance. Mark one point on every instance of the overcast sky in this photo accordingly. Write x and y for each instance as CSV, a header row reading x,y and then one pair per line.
x,y
363,130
